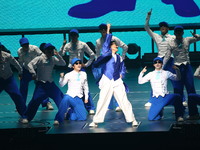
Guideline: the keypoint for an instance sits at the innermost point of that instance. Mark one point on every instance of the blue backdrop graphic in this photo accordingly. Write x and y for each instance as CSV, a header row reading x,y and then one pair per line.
x,y
83,13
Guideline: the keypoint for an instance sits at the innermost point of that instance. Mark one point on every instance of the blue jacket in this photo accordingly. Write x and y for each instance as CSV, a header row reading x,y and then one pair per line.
x,y
105,64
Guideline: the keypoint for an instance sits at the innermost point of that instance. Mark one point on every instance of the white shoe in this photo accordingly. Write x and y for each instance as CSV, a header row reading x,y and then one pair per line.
x,y
49,106
148,104
92,124
117,109
91,112
185,104
24,120
56,122
135,123
180,119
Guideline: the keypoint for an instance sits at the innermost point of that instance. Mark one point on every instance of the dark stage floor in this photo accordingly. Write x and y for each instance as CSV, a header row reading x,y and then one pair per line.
x,y
41,130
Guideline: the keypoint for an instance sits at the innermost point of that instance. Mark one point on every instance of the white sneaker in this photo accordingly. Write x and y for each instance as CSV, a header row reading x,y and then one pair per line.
x,y
135,123
24,120
117,109
91,112
92,124
180,119
185,104
148,104
49,106
56,122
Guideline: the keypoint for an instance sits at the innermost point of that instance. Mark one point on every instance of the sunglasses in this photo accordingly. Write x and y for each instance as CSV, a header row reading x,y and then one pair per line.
x,y
76,63
158,61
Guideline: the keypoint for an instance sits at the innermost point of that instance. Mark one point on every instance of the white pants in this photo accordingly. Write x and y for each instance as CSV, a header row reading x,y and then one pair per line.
x,y
107,90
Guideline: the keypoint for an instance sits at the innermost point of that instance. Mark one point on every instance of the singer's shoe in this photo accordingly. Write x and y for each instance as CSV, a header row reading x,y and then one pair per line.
x,y
98,8
184,8
135,123
92,124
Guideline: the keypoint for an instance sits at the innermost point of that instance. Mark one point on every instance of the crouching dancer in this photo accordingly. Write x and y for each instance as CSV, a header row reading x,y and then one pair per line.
x,y
161,97
72,103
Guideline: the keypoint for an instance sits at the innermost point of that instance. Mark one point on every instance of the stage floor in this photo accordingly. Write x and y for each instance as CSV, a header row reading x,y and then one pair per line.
x,y
114,121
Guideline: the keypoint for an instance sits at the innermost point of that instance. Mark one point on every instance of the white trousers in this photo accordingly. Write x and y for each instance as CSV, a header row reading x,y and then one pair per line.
x,y
107,90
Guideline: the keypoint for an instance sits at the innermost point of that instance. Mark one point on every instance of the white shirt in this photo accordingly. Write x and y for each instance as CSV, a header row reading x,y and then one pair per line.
x,y
180,51
5,61
26,56
158,80
77,84
77,51
100,41
160,40
45,67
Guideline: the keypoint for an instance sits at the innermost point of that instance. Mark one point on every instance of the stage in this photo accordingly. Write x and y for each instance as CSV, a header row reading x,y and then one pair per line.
x,y
114,131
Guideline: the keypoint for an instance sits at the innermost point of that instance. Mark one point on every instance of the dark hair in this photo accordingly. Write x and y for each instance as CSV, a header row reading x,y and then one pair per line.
x,y
112,42
103,26
42,47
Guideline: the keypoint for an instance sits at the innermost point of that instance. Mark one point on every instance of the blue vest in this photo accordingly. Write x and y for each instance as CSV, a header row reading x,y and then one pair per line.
x,y
112,69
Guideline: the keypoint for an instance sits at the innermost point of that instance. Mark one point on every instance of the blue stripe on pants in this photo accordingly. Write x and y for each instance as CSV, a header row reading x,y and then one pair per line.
x,y
77,111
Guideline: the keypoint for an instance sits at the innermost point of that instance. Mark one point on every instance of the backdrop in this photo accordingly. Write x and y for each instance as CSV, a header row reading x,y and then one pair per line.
x,y
31,14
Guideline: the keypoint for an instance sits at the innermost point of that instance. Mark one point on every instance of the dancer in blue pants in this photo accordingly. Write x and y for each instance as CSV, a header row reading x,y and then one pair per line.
x,y
45,86
179,47
26,53
160,95
72,103
8,82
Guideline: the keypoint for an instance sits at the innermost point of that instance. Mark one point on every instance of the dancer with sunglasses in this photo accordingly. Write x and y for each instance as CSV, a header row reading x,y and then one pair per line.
x,y
72,103
160,95
76,49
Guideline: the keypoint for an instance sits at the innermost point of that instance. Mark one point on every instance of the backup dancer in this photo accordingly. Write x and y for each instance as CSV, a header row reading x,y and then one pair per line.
x,y
72,103
45,86
9,84
111,83
160,95
179,47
